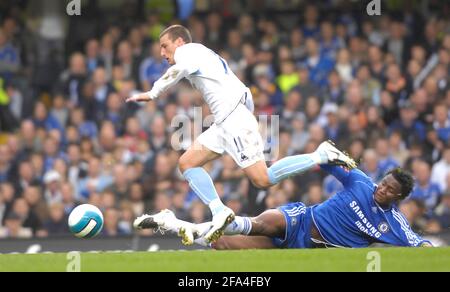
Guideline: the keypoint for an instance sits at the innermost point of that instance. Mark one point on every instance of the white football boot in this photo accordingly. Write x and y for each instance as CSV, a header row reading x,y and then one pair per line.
x,y
336,156
166,221
219,222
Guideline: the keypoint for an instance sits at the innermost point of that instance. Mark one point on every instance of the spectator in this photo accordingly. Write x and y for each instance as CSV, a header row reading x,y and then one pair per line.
x,y
343,66
126,60
93,59
9,57
59,110
152,68
5,164
127,217
52,181
408,125
311,27
370,164
442,122
396,83
102,89
319,66
27,216
13,228
413,210
288,78
197,213
111,225
44,120
443,211
37,204
26,177
234,202
385,160
56,224
85,128
137,199
425,190
398,148
95,181
30,140
68,198
179,206
158,138
72,80
314,195
441,170
335,89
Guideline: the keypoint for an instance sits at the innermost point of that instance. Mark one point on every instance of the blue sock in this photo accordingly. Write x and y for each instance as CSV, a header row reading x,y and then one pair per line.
x,y
293,165
202,184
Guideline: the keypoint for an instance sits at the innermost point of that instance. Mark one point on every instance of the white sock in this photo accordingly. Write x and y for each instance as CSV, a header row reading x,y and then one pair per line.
x,y
319,157
240,225
216,206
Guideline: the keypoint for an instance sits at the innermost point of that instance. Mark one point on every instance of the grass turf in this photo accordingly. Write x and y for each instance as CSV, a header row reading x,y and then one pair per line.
x,y
391,259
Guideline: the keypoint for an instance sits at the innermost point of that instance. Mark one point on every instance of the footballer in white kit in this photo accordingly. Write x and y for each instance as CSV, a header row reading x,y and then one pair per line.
x,y
234,131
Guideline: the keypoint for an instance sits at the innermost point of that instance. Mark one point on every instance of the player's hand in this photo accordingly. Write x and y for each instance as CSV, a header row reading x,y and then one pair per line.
x,y
139,97
426,244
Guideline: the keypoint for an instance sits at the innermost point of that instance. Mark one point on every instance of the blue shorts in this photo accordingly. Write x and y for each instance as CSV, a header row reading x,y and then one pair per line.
x,y
298,227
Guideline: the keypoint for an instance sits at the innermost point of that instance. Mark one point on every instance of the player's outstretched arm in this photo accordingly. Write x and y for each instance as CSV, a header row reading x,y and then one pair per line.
x,y
339,172
173,75
141,97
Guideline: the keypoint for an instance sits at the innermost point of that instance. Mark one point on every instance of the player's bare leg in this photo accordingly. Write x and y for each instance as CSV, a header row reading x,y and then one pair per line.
x,y
196,156
248,232
199,180
243,242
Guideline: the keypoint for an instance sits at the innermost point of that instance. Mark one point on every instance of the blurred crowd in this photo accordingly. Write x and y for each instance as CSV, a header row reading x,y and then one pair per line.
x,y
378,86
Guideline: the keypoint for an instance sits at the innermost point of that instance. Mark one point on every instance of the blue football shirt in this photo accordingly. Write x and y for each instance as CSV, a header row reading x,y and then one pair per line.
x,y
352,218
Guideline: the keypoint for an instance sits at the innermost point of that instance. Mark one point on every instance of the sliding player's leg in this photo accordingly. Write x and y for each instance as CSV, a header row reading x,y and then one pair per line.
x,y
288,226
166,222
243,242
270,224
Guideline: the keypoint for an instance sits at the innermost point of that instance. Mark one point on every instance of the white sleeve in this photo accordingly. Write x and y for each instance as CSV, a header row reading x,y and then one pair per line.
x,y
170,78
185,64
188,57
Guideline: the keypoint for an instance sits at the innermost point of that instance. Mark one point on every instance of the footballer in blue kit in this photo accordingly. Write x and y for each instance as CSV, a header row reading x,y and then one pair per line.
x,y
361,214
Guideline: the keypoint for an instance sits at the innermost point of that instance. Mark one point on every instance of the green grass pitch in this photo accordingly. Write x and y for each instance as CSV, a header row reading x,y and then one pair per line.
x,y
390,259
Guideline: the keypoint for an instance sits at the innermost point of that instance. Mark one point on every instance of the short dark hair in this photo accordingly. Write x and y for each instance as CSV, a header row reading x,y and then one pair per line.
x,y
405,179
177,31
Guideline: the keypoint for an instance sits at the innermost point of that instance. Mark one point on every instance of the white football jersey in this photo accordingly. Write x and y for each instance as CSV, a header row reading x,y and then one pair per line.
x,y
211,75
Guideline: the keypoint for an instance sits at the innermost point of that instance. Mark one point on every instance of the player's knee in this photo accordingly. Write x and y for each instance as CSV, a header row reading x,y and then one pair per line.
x,y
261,182
185,163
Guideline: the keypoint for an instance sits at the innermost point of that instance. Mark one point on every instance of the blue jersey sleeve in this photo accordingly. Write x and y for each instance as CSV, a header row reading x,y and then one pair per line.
x,y
345,176
405,236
